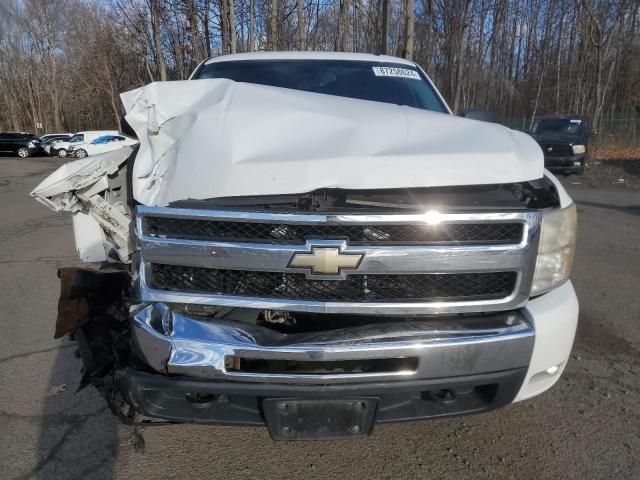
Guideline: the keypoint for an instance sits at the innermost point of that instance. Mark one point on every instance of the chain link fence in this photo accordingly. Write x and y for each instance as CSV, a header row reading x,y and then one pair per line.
x,y
619,132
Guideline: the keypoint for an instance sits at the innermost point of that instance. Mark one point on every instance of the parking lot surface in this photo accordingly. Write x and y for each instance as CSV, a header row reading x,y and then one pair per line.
x,y
587,426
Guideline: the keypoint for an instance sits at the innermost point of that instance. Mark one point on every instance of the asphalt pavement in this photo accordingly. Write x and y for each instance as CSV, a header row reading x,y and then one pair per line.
x,y
587,426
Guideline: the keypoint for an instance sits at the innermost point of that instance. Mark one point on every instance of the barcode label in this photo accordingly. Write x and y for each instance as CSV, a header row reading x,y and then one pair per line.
x,y
395,72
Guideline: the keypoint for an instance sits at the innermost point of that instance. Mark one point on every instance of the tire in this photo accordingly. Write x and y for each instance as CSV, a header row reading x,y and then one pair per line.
x,y
62,153
80,153
23,152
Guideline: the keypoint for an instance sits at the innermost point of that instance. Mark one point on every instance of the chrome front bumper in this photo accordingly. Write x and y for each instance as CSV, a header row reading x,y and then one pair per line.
x,y
174,343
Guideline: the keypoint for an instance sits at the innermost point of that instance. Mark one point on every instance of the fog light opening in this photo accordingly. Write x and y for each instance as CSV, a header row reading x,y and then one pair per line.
x,y
550,372
553,370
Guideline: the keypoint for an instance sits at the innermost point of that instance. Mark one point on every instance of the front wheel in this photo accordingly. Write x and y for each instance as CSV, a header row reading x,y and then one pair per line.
x,y
62,153
23,152
81,153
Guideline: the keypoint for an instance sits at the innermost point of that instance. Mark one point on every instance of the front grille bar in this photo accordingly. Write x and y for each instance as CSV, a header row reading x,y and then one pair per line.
x,y
264,262
384,234
360,288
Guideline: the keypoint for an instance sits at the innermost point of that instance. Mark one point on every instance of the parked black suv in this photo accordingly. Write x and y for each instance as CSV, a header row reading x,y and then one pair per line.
x,y
563,139
21,144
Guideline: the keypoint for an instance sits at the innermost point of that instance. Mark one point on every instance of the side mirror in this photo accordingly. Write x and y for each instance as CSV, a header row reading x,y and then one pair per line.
x,y
480,114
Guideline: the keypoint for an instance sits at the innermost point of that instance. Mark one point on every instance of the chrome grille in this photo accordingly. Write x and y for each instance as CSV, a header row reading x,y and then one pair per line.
x,y
356,288
243,259
221,230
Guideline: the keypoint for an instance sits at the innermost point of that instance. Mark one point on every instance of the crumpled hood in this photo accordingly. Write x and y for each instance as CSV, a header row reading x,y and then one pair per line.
x,y
218,138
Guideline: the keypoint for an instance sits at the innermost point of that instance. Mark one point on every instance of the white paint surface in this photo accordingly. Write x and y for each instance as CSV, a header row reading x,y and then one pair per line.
x,y
555,318
218,138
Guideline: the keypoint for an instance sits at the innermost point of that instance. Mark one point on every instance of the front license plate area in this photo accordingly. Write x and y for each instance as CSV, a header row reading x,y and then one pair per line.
x,y
298,419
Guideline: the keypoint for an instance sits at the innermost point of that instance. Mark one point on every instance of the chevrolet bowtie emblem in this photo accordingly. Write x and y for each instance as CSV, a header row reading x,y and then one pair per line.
x,y
325,260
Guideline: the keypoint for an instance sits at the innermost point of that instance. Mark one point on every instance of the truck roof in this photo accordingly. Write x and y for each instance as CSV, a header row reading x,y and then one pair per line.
x,y
309,56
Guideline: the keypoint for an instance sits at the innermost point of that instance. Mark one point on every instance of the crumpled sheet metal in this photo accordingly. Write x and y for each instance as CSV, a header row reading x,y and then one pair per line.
x,y
218,138
78,175
78,186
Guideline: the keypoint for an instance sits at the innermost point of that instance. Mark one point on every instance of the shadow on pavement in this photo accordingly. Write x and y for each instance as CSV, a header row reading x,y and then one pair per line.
x,y
78,435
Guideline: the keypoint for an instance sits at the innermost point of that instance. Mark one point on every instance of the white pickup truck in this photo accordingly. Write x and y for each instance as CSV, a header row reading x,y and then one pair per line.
x,y
314,243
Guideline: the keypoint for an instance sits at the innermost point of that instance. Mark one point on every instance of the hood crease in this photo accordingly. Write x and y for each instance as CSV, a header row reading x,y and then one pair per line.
x,y
219,138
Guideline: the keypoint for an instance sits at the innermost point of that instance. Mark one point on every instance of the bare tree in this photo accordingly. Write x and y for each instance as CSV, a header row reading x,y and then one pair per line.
x,y
251,26
301,31
409,29
231,11
194,28
386,20
345,25
272,40
63,62
155,26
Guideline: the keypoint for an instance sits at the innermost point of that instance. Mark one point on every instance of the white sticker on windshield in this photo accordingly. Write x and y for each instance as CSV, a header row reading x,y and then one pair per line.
x,y
575,121
395,72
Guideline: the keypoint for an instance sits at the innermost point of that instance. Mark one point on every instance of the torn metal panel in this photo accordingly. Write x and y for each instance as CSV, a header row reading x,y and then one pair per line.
x,y
92,189
90,239
113,220
218,138
79,175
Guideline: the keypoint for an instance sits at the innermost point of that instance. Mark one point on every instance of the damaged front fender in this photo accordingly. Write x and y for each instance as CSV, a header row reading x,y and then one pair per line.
x,y
94,190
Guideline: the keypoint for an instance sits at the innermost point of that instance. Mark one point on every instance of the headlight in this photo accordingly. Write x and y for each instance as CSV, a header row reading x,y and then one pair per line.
x,y
578,149
557,246
32,144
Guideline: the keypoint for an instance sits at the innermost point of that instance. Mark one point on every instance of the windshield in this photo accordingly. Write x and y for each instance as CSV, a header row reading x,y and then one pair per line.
x,y
380,82
558,125
55,138
102,139
77,138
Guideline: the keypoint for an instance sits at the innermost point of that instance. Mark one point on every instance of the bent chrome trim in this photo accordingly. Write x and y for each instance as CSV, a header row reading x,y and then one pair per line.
x,y
174,343
315,218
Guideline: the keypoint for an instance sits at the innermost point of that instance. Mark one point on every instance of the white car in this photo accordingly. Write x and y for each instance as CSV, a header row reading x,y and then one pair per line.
x,y
61,149
103,144
49,141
